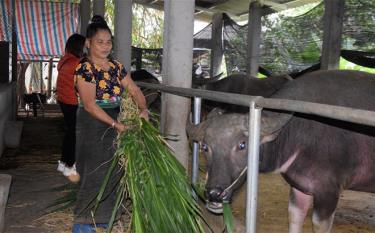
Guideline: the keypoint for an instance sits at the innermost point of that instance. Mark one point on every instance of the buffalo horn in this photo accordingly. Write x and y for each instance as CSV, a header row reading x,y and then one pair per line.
x,y
203,81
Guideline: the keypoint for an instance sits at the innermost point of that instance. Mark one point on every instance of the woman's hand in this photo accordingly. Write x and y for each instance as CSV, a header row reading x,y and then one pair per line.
x,y
144,114
120,127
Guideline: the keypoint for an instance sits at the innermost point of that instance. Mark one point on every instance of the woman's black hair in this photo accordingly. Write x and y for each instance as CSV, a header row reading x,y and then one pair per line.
x,y
97,23
75,45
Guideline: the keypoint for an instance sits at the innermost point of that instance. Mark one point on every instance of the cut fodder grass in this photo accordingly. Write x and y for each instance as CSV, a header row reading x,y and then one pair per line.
x,y
157,184
59,221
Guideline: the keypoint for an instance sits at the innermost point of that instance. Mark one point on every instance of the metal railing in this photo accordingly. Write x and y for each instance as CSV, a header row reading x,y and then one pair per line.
x,y
255,104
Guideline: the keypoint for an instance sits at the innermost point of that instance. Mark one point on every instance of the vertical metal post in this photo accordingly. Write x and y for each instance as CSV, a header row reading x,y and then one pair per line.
x,y
195,159
253,167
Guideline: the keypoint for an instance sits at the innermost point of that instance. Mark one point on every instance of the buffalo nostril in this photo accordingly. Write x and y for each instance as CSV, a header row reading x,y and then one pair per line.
x,y
214,194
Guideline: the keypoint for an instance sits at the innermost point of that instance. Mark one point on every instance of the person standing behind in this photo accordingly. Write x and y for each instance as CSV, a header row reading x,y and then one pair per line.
x,y
67,99
100,81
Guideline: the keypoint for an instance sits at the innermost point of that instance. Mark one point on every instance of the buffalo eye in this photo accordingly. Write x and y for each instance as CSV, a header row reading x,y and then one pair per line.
x,y
204,147
242,145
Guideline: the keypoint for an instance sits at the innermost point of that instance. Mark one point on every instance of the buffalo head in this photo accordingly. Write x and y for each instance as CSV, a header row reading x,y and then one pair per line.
x,y
223,140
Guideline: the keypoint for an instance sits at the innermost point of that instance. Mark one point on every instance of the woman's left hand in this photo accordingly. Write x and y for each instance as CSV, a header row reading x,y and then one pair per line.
x,y
144,114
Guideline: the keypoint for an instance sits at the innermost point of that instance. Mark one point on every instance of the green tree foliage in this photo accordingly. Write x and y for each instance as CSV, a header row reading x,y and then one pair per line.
x,y
359,27
147,31
147,27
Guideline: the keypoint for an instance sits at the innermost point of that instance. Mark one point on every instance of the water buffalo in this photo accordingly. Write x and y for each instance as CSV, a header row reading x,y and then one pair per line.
x,y
317,156
152,96
242,84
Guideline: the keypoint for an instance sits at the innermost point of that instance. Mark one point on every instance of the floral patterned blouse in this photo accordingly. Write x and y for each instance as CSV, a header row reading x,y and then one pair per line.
x,y
108,86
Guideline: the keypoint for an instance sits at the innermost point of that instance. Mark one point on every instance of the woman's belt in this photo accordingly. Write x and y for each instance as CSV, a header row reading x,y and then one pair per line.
x,y
104,104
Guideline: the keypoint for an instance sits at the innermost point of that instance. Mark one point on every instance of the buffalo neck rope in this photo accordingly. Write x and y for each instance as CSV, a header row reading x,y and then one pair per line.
x,y
235,181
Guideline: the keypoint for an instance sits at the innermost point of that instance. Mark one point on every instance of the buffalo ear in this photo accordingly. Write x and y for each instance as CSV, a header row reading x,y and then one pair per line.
x,y
269,138
195,132
272,122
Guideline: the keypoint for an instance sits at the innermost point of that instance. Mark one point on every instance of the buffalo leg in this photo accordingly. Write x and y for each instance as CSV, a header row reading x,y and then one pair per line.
x,y
299,205
324,211
323,226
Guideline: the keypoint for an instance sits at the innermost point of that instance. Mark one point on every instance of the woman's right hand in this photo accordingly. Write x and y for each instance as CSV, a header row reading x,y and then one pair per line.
x,y
120,127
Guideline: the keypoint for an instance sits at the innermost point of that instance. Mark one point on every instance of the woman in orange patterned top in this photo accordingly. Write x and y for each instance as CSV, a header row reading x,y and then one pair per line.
x,y
67,98
100,82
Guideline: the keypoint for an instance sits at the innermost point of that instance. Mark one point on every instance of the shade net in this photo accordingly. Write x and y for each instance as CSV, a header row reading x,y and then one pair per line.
x,y
293,44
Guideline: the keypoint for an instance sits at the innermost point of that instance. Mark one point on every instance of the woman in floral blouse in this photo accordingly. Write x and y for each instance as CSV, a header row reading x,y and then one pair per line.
x,y
100,82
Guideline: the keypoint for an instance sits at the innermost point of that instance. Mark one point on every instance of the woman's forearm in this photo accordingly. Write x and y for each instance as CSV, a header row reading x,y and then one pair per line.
x,y
139,98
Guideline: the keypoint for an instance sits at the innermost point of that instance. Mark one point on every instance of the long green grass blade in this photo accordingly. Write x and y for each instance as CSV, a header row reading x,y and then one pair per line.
x,y
228,218
104,184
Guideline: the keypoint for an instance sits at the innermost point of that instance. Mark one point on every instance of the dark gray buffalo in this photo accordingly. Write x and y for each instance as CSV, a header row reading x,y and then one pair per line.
x,y
241,84
151,95
317,156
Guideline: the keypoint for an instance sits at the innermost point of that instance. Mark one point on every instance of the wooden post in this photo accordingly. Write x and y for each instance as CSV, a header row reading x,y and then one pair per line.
x,y
253,39
85,11
333,18
14,61
217,44
99,7
49,86
41,78
14,43
123,29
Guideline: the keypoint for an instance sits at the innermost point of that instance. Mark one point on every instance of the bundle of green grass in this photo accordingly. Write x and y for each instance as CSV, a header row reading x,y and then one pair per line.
x,y
156,183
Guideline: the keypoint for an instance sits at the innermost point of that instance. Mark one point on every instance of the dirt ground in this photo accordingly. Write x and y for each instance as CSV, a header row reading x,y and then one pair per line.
x,y
36,185
355,213
35,181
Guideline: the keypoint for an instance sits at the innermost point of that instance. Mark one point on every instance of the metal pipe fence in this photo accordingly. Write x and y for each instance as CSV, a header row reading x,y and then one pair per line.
x,y
335,112
255,104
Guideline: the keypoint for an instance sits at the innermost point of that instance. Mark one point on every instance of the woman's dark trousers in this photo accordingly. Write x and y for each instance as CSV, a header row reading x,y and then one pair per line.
x,y
68,147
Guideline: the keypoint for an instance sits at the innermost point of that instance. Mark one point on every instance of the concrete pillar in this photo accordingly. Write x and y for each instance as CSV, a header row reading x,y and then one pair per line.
x,y
217,44
253,39
85,10
333,19
177,71
123,32
99,7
